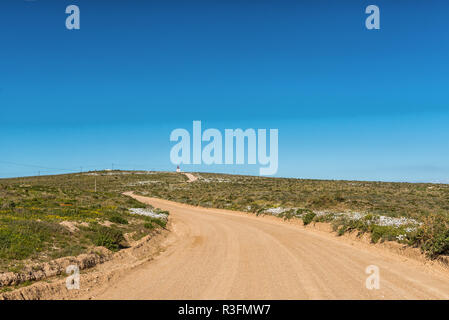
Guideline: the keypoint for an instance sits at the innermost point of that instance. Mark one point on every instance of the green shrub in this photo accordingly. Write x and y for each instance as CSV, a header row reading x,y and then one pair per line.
x,y
439,244
110,238
325,218
308,218
378,233
433,236
344,224
383,233
160,222
301,211
118,219
148,225
287,215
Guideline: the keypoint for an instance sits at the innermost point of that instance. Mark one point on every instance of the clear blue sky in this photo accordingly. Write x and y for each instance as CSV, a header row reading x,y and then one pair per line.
x,y
349,103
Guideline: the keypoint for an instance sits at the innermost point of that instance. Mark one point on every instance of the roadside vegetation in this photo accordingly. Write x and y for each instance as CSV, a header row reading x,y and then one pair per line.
x,y
49,217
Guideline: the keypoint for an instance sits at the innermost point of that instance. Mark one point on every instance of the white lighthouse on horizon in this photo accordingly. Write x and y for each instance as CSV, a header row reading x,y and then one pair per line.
x,y
178,169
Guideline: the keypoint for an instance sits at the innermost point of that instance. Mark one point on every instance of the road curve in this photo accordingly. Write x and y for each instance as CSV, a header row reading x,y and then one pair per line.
x,y
218,254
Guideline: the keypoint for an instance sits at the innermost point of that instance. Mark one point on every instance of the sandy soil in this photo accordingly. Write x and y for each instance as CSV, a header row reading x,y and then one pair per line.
x,y
219,254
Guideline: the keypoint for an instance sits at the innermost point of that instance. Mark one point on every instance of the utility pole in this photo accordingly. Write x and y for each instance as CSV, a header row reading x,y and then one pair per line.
x,y
95,184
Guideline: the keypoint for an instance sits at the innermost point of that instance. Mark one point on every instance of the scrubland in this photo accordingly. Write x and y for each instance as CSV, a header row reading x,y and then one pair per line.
x,y
48,217
416,214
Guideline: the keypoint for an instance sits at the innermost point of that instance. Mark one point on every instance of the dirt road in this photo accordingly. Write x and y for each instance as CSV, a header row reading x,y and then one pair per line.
x,y
191,177
217,254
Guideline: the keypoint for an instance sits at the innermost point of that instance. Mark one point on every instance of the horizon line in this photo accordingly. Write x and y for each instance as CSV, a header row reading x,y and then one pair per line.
x,y
223,173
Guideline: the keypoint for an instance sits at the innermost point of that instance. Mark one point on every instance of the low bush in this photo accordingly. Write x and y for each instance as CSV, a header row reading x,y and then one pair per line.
x,y
110,238
308,218
383,233
432,236
287,215
160,222
148,225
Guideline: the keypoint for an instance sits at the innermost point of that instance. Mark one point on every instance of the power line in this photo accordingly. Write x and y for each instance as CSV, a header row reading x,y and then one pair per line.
x,y
74,169
49,170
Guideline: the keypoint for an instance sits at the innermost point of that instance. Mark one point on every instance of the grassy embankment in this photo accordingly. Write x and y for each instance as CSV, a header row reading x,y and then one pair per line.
x,y
36,213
